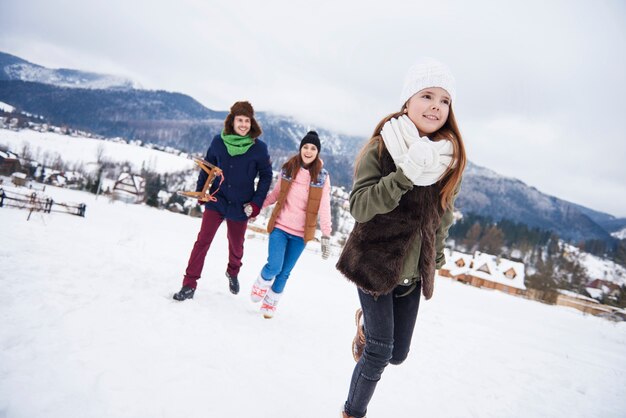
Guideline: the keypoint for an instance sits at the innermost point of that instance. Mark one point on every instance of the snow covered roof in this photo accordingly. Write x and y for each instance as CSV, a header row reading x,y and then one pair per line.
x,y
8,155
457,262
6,107
486,267
594,293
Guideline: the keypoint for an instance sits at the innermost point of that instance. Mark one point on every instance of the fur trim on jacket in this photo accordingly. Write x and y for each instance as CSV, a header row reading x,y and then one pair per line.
x,y
374,253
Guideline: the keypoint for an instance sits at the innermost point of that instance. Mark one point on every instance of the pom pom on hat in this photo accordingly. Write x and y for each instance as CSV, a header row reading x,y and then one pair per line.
x,y
428,72
311,137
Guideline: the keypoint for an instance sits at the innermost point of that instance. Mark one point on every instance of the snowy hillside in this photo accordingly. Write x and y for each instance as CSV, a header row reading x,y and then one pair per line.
x,y
6,107
598,268
89,329
82,150
621,234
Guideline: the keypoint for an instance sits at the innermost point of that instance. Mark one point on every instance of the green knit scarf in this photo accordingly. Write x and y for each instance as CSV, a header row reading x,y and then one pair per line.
x,y
237,144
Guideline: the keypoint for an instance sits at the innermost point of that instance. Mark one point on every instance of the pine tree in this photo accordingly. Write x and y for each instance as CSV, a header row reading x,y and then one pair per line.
x,y
153,186
619,255
472,237
492,240
621,298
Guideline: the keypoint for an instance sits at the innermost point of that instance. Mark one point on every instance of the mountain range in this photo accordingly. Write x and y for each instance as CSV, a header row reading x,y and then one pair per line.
x,y
115,107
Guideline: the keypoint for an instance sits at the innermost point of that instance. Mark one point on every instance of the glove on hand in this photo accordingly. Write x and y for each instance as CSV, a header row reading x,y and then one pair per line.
x,y
251,209
420,156
325,247
423,161
392,134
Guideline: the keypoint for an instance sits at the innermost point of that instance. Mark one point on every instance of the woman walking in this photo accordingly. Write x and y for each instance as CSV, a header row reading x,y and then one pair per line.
x,y
302,194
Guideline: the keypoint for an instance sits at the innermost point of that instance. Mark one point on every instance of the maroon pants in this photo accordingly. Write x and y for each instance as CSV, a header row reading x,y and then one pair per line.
x,y
211,220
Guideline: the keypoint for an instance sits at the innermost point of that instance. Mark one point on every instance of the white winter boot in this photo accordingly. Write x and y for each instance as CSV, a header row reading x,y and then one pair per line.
x,y
259,288
268,308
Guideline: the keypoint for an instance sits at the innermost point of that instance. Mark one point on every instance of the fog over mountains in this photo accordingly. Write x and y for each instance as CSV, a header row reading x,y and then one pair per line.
x,y
115,107
15,68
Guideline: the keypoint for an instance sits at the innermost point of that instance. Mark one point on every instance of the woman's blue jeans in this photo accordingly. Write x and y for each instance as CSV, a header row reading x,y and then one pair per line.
x,y
283,252
389,323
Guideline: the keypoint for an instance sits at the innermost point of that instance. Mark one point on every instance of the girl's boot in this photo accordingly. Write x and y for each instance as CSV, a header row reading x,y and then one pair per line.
x,y
358,343
259,288
268,308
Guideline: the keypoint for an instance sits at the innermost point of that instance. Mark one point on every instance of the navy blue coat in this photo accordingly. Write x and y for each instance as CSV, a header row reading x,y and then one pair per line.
x,y
239,174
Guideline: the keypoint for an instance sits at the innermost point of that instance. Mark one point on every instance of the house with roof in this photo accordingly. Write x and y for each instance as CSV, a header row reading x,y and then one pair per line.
x,y
9,163
56,178
129,188
19,179
583,303
486,271
72,179
598,288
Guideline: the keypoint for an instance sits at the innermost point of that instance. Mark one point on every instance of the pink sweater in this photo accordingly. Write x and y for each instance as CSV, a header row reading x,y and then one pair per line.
x,y
292,217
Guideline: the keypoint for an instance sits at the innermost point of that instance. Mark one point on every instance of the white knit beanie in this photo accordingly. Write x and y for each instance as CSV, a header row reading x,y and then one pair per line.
x,y
428,72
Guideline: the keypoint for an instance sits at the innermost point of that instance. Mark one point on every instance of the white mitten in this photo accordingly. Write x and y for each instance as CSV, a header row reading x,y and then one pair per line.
x,y
423,161
421,156
394,143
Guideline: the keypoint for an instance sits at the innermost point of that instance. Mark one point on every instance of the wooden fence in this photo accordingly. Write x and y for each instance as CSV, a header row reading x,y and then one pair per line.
x,y
35,203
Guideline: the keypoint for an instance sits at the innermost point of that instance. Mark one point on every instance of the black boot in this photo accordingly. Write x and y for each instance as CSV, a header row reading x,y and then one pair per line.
x,y
233,284
185,293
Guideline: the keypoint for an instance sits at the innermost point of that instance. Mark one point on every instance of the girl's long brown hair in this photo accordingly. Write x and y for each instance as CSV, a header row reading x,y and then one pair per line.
x,y
292,166
449,130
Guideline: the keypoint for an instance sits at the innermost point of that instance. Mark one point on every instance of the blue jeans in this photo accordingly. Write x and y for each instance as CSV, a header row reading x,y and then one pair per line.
x,y
283,251
389,323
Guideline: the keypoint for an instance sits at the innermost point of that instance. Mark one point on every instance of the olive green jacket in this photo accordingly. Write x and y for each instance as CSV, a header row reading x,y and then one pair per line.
x,y
372,195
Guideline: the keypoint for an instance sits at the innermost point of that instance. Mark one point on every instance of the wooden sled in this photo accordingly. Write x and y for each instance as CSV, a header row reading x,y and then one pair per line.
x,y
212,171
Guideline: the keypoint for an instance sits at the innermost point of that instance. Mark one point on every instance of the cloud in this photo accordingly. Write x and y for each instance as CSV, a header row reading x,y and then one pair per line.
x,y
555,158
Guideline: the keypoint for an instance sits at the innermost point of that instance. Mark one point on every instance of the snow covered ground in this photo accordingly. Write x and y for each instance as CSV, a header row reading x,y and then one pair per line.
x,y
603,269
89,329
6,107
82,150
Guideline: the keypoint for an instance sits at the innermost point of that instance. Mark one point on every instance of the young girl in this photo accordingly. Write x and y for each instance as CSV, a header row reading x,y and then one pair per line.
x,y
406,180
302,193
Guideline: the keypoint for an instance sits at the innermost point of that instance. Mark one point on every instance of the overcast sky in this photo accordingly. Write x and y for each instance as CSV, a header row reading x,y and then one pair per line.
x,y
540,84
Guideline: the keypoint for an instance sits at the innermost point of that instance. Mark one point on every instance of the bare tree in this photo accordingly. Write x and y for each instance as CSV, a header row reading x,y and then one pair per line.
x,y
100,153
26,154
